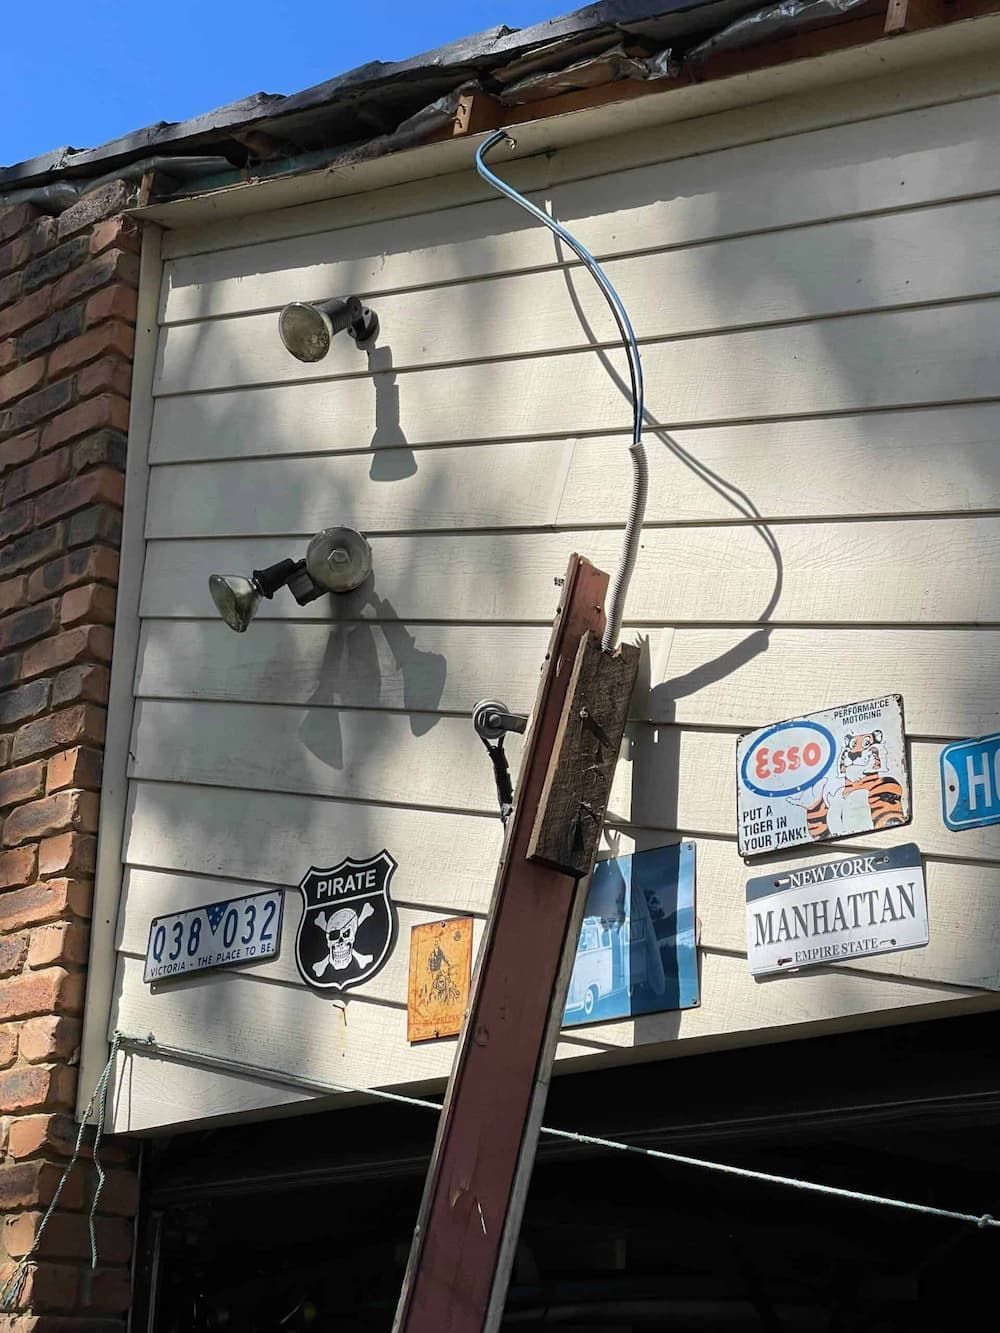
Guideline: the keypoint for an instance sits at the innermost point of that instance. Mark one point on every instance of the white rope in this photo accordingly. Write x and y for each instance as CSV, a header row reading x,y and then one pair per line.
x,y
746,1173
12,1288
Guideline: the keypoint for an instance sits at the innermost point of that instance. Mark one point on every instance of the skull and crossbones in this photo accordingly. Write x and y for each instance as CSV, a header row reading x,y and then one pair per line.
x,y
341,930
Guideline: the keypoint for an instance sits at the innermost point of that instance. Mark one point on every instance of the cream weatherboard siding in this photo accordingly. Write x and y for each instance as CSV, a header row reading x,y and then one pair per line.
x,y
819,312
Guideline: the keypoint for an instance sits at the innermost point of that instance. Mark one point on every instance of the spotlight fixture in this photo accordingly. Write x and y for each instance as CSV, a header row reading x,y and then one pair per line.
x,y
308,329
337,560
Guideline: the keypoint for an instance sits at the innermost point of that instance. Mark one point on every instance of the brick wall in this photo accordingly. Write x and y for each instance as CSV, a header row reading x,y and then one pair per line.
x,y
67,316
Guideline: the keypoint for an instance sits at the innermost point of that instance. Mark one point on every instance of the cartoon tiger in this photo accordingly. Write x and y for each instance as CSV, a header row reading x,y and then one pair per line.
x,y
862,767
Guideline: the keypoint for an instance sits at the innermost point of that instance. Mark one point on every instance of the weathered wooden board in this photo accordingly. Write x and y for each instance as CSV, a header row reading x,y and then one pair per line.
x,y
924,461
739,677
847,364
920,571
176,828
149,893
689,190
825,269
667,777
389,489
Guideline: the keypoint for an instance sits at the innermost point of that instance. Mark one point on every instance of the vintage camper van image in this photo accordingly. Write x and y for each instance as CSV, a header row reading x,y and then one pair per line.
x,y
636,953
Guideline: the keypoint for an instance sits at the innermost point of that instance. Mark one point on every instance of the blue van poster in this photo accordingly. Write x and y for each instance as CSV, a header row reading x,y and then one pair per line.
x,y
637,952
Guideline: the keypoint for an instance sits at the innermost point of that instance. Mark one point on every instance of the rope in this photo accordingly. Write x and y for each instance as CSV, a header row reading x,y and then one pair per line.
x,y
11,1290
980,1220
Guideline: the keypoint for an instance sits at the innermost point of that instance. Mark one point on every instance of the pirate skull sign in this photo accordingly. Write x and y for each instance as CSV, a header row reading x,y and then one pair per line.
x,y
348,922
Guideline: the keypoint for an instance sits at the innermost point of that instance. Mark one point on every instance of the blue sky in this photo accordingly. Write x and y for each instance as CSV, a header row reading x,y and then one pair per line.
x,y
80,74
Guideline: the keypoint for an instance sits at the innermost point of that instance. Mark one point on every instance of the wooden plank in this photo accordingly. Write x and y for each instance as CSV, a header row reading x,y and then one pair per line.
x,y
852,364
668,777
189,836
716,161
920,571
148,893
570,815
94,1045
740,677
455,1257
390,488
795,273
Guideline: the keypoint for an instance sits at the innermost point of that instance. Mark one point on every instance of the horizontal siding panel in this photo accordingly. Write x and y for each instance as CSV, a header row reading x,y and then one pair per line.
x,y
935,154
937,460
149,894
388,490
934,254
667,778
902,358
915,571
949,679
301,1032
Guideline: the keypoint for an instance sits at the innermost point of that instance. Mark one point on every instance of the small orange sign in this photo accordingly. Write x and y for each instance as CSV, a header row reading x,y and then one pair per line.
x,y
440,977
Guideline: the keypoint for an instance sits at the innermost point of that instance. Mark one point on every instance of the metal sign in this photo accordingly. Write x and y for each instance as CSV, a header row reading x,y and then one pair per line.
x,y
440,976
637,952
826,775
836,911
236,930
970,783
348,922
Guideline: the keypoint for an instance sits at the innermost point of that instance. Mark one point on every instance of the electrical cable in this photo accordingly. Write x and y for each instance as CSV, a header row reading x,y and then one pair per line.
x,y
640,467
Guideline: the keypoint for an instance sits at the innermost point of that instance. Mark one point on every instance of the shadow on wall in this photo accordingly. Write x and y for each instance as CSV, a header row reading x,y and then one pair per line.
x,y
388,435
354,673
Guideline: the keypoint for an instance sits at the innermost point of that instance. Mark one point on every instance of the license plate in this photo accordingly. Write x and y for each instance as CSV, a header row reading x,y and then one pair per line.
x,y
970,783
236,930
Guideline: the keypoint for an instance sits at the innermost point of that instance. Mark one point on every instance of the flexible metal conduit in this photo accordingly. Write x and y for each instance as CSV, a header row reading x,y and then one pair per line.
x,y
640,480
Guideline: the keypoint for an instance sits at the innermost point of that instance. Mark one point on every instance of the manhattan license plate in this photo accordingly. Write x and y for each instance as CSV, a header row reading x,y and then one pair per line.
x,y
236,930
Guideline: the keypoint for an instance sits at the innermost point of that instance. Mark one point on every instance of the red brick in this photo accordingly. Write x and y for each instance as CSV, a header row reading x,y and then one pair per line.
x,y
52,1134
25,702
83,566
22,380
32,549
79,767
50,331
109,375
54,991
27,311
109,1290
16,868
105,410
112,338
13,593
11,288
67,854
54,1323
15,519
112,303
50,1287
87,683
24,1184
40,902
36,407
104,485
95,205
36,1087
85,643
54,262
45,471
93,604
66,943
103,446
72,726
31,623
67,1236
122,232
119,266
8,353
23,783
51,1037
15,218
18,450
120,1196
13,951
60,813
8,1053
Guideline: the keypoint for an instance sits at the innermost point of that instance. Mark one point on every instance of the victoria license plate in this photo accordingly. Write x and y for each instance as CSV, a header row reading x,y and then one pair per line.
x,y
236,930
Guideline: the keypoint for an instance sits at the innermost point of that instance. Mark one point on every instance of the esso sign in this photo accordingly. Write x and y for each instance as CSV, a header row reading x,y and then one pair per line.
x,y
788,758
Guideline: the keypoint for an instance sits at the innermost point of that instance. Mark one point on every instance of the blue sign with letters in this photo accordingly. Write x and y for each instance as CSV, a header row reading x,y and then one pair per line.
x,y
970,783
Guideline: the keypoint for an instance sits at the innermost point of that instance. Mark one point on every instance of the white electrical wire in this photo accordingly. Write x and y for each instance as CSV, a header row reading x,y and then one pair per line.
x,y
640,468
279,1076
